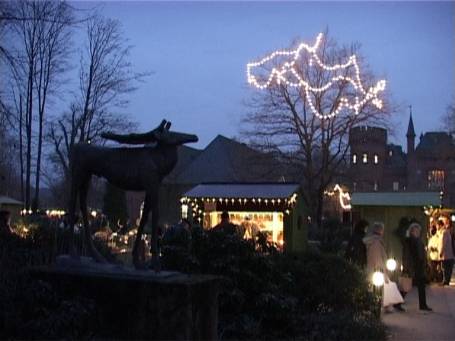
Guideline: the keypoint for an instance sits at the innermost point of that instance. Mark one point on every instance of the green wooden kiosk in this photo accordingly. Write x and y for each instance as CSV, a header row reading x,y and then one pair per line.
x,y
275,208
389,208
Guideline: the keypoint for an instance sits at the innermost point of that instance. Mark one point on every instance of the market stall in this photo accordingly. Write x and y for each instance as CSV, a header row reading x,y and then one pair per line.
x,y
274,209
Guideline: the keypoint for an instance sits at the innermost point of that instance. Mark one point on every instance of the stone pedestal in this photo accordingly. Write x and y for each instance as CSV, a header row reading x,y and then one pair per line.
x,y
133,304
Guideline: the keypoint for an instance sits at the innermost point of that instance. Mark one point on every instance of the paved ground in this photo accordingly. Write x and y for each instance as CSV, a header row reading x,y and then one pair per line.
x,y
415,325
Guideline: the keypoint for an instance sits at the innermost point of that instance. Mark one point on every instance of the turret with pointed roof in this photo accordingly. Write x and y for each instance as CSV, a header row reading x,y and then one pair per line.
x,y
411,133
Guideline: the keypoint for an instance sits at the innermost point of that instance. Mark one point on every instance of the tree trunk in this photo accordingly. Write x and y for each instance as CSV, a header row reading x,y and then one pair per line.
x,y
38,164
29,137
21,155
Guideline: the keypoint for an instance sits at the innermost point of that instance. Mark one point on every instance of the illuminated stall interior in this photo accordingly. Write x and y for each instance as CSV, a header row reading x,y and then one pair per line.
x,y
447,215
265,207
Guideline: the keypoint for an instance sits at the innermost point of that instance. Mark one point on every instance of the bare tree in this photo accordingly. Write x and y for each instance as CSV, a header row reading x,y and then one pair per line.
x,y
40,37
53,52
449,119
106,73
285,119
65,132
106,76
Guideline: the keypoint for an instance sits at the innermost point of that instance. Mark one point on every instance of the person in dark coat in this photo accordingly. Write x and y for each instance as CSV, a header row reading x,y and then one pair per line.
x,y
225,225
356,251
414,260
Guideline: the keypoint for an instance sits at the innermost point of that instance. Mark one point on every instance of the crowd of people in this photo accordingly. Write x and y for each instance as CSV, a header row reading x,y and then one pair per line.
x,y
441,252
366,249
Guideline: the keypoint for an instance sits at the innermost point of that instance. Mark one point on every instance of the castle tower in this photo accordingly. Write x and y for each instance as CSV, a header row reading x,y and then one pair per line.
x,y
367,159
410,135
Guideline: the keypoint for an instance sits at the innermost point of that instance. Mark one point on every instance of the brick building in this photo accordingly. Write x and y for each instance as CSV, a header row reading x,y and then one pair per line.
x,y
376,165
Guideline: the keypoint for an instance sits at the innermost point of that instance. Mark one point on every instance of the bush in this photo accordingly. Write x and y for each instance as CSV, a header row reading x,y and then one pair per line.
x,y
278,296
333,235
31,308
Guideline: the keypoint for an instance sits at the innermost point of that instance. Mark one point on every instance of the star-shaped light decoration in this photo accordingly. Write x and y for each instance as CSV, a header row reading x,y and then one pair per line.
x,y
286,73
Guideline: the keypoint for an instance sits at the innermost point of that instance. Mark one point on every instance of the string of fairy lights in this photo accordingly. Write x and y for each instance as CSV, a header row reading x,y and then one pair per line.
x,y
343,196
195,203
281,75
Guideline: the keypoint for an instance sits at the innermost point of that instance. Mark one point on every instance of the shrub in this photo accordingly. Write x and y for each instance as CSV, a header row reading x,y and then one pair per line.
x,y
276,296
332,236
31,308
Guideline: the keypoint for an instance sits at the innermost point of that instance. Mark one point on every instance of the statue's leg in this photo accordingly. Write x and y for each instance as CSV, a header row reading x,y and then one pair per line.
x,y
140,230
88,233
71,217
156,265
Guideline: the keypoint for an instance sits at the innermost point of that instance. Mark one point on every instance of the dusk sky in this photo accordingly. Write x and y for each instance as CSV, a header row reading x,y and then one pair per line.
x,y
198,54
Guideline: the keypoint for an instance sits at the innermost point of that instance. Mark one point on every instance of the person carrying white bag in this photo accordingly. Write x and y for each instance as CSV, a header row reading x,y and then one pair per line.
x,y
376,261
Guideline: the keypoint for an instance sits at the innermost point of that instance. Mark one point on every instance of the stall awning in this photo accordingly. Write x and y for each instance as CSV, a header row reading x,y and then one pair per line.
x,y
243,190
4,200
395,199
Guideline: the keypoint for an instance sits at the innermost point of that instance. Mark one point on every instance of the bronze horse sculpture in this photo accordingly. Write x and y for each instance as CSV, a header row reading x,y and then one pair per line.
x,y
133,169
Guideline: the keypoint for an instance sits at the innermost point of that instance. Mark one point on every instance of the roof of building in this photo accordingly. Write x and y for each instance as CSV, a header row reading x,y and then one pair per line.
x,y
395,198
4,200
226,160
243,190
434,140
185,155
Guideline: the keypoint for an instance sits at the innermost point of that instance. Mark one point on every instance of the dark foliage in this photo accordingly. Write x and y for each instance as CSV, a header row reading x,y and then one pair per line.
x,y
332,236
276,296
31,308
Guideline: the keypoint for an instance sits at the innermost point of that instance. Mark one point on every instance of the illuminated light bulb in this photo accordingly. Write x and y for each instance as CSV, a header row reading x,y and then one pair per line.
x,y
279,75
391,264
378,279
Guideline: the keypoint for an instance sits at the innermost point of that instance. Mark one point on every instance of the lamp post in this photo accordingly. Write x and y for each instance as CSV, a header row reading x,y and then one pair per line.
x,y
391,264
378,282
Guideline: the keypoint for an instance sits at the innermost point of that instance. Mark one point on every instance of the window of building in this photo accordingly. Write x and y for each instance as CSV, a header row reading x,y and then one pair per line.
x,y
396,185
375,186
365,158
376,159
390,153
354,159
436,179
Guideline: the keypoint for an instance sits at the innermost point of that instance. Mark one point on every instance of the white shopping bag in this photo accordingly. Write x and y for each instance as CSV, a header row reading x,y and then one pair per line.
x,y
391,294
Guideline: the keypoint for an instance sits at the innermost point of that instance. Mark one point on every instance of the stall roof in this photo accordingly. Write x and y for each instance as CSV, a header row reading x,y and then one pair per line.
x,y
244,190
395,198
4,200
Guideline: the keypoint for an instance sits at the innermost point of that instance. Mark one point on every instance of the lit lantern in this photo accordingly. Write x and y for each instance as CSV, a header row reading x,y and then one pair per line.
x,y
378,279
391,264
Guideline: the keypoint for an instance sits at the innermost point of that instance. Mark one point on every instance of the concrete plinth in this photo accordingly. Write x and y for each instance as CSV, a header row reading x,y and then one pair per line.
x,y
134,304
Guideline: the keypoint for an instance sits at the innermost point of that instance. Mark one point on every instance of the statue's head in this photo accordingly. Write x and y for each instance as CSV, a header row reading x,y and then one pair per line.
x,y
160,136
164,136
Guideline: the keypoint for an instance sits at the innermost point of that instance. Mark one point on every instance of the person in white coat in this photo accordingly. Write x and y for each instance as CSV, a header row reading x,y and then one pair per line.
x,y
447,254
